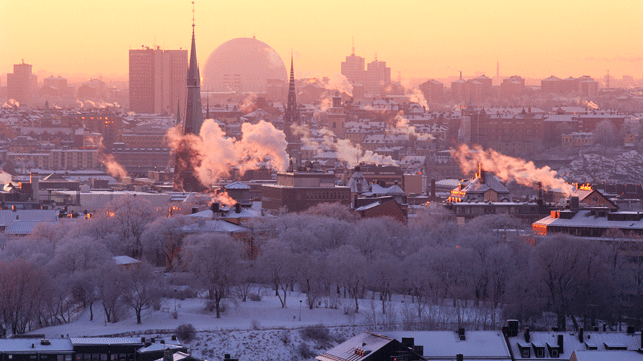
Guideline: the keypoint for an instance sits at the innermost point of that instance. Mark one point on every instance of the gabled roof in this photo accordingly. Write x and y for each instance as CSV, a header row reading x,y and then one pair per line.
x,y
125,260
213,226
350,349
237,185
477,344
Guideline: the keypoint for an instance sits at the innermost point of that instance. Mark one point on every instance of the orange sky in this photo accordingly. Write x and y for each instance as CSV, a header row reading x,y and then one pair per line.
x,y
419,38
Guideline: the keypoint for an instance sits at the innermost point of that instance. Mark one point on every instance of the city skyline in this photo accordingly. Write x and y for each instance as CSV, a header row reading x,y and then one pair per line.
x,y
418,40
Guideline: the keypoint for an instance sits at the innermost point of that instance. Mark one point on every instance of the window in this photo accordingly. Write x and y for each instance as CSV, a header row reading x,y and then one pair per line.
x,y
540,352
554,352
526,353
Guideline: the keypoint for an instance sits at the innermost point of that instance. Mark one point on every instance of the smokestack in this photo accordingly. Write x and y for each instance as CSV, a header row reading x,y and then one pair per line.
x,y
573,204
460,74
580,334
35,187
560,343
432,189
527,335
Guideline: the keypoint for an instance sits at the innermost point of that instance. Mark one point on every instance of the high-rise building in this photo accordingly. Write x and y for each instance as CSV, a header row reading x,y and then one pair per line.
x,y
353,68
377,75
156,79
184,177
21,84
291,116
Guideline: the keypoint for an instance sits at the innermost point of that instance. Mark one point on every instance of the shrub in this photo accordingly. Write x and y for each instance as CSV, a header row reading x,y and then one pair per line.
x,y
255,324
186,332
317,333
254,297
305,352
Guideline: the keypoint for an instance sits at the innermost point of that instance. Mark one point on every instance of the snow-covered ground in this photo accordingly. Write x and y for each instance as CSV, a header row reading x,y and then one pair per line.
x,y
251,330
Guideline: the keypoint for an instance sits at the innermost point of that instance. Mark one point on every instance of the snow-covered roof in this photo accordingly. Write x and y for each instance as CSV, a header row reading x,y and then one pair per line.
x,y
346,351
608,356
21,227
213,226
8,216
571,342
90,341
237,185
158,346
477,344
368,206
30,345
125,260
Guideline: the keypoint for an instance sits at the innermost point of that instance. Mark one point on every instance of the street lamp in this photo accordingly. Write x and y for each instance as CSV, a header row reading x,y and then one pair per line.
x,y
300,302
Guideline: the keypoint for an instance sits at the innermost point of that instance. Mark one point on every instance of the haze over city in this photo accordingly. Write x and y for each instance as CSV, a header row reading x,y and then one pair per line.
x,y
420,39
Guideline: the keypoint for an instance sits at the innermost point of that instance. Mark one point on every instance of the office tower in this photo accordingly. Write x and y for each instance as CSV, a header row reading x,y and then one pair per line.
x,y
21,84
156,79
377,75
353,68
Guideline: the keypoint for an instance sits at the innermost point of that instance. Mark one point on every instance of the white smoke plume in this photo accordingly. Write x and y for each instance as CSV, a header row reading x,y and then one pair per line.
x,y
222,197
215,154
590,104
506,167
339,82
11,103
5,177
416,96
345,149
111,165
403,126
248,103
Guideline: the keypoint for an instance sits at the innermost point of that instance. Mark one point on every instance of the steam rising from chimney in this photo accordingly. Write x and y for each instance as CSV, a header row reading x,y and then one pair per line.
x,y
215,154
346,151
224,198
402,126
339,82
11,103
506,167
113,168
5,177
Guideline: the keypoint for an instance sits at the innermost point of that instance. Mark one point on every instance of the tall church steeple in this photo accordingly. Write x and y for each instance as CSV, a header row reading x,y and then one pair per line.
x,y
184,164
291,116
193,109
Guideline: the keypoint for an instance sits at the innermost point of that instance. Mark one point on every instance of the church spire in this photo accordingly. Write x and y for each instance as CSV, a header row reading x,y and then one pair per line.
x,y
193,109
291,116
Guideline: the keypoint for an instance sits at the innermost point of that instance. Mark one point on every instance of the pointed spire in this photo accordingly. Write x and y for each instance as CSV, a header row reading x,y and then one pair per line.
x,y
193,110
178,112
207,108
353,49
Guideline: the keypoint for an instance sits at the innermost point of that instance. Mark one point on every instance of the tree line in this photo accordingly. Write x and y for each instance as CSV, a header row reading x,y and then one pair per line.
x,y
328,253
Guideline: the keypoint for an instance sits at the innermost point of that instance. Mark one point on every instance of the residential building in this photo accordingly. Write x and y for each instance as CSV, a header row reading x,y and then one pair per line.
x,y
298,191
22,84
377,74
157,79
433,91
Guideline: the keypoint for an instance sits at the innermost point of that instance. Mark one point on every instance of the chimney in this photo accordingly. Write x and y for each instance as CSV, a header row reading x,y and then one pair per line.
x,y
35,187
580,334
460,74
461,334
432,189
215,208
195,210
459,357
143,339
540,191
574,203
237,208
408,341
560,343
527,335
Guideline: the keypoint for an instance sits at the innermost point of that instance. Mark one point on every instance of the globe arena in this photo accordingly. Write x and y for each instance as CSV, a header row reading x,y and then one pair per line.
x,y
243,65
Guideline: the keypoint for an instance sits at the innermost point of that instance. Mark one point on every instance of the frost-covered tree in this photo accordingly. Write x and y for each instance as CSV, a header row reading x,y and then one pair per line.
x,y
128,218
347,266
24,289
214,259
280,266
161,238
141,288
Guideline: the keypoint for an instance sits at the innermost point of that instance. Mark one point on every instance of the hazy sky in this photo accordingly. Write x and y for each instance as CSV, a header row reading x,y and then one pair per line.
x,y
419,38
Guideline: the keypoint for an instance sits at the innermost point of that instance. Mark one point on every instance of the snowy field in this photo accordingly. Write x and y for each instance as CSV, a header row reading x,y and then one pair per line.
x,y
251,330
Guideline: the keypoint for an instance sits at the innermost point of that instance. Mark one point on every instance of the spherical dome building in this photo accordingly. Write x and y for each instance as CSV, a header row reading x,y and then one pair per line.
x,y
243,65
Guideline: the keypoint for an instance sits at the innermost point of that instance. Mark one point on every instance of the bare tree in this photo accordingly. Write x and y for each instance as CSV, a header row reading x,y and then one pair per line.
x,y
24,288
280,267
161,238
215,260
110,289
348,268
141,288
129,217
